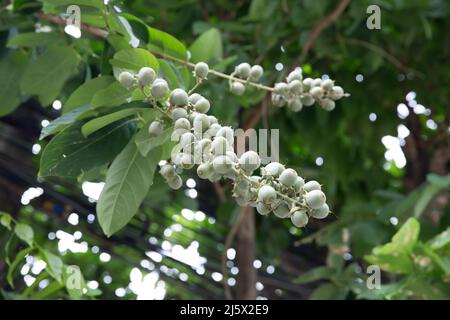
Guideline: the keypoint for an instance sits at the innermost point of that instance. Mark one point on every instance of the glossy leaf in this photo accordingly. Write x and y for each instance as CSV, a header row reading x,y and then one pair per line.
x,y
46,76
126,186
69,153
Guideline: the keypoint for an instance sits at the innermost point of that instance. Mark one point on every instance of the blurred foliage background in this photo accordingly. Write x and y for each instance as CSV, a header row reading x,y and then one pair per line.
x,y
382,155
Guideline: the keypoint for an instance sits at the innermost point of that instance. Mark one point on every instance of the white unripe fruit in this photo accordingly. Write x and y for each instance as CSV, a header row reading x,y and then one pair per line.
x,y
213,120
273,169
179,97
256,72
295,105
193,98
282,211
222,164
316,82
295,87
201,122
315,199
307,100
126,79
243,70
227,133
327,84
167,171
182,123
160,88
316,92
278,100
233,157
202,105
295,75
146,76
187,161
267,194
299,218
263,209
213,129
336,93
201,70
288,177
250,161
175,183
328,104
192,116
205,170
321,213
204,145
299,183
312,185
220,146
307,84
187,140
281,88
155,128
179,113
237,88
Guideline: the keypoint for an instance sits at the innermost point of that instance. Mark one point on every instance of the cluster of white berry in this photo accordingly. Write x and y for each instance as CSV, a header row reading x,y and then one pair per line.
x,y
202,141
245,72
146,77
297,92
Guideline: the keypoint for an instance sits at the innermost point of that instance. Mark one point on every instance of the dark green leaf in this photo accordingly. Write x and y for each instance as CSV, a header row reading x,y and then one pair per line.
x,y
84,94
70,153
127,183
24,232
46,76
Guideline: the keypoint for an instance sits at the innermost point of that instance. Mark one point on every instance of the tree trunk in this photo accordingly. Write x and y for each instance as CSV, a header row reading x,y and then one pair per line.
x,y
245,255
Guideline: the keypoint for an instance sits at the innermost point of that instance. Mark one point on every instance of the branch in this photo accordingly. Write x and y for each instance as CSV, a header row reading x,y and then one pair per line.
x,y
323,24
229,240
103,34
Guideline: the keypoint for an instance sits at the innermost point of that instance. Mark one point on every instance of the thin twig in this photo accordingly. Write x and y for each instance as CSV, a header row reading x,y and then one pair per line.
x,y
321,25
229,240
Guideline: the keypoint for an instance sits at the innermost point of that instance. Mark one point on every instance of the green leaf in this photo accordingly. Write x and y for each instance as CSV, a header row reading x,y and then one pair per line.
x,y
37,39
69,153
46,76
146,143
315,274
54,265
162,42
127,183
18,259
90,3
5,220
395,256
329,291
98,123
24,232
83,94
441,240
11,70
207,47
408,234
63,122
133,60
113,95
172,74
